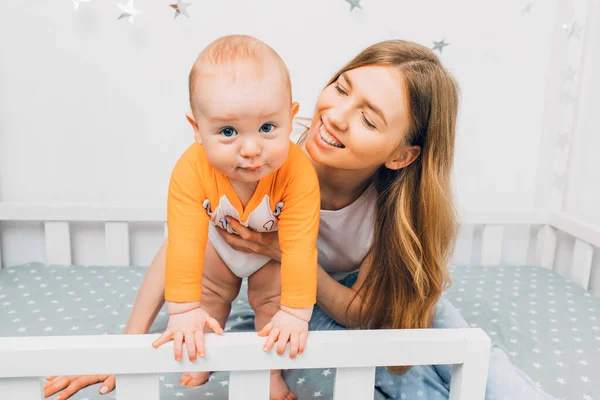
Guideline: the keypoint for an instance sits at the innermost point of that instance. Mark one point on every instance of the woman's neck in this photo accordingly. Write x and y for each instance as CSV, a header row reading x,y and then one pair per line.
x,y
340,187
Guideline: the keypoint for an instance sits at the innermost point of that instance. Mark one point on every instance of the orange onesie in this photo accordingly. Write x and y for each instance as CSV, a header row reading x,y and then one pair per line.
x,y
287,200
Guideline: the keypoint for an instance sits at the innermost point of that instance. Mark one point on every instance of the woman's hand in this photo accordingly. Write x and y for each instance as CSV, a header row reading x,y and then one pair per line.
x,y
69,385
249,241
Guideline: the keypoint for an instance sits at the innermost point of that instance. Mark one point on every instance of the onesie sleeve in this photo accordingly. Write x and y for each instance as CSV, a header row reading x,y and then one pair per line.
x,y
187,224
298,230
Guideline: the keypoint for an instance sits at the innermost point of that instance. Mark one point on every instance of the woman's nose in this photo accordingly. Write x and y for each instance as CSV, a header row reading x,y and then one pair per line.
x,y
338,117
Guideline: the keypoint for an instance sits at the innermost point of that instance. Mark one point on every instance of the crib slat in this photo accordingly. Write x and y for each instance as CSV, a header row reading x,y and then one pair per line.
x,y
469,379
249,385
21,388
354,383
463,249
117,243
546,246
58,243
138,386
1,266
492,244
583,254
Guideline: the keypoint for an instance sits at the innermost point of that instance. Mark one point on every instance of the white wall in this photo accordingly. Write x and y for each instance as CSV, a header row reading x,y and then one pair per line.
x,y
92,108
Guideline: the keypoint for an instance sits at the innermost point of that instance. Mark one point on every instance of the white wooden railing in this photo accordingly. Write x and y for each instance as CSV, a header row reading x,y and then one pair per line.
x,y
484,232
355,354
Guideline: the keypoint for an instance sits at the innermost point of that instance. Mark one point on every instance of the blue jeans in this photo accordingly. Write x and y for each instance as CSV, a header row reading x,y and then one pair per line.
x,y
505,381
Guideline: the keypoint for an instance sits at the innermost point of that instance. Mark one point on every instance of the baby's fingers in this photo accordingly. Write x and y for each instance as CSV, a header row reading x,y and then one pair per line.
x,y
214,325
177,345
284,337
190,343
294,344
266,330
199,335
271,339
302,342
164,338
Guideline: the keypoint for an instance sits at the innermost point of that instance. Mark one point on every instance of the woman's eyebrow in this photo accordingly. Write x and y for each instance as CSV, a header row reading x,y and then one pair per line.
x,y
369,105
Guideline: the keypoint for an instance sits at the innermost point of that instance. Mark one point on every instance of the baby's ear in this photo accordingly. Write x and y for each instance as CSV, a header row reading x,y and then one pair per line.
x,y
295,108
192,121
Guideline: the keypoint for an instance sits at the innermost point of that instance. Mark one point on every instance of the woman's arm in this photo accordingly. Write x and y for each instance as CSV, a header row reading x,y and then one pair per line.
x,y
338,301
150,297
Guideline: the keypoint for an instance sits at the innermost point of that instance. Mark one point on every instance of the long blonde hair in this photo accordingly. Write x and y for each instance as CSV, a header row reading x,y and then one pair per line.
x,y
415,223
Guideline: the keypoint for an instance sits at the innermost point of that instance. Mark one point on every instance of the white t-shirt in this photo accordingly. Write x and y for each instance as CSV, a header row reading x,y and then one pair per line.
x,y
345,235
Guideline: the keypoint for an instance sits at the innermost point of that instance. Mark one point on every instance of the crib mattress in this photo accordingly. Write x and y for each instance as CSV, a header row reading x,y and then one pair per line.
x,y
547,325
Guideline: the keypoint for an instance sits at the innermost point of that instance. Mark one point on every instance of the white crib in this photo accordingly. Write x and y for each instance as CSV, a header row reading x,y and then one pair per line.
x,y
24,360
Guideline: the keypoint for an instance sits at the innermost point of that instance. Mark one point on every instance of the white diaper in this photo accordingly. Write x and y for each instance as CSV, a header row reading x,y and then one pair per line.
x,y
240,263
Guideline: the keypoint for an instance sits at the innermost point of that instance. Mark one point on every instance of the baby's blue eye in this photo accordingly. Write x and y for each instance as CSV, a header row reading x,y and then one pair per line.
x,y
228,132
266,128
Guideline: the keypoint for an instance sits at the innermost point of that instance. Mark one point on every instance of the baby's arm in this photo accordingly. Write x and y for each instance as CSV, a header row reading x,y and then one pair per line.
x,y
298,230
187,223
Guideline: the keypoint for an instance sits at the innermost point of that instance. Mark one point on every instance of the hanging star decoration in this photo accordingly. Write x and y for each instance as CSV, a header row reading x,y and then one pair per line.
x,y
440,45
180,8
77,2
128,11
574,30
527,8
354,4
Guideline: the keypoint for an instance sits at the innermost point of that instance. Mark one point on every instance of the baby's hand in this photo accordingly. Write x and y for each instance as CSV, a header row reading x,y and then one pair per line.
x,y
188,327
286,327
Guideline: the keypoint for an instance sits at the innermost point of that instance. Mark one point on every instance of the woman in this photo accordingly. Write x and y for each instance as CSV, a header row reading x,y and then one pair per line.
x,y
382,143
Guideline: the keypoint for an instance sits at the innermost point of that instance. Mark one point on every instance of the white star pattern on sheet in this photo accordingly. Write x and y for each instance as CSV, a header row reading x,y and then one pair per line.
x,y
317,394
326,372
510,320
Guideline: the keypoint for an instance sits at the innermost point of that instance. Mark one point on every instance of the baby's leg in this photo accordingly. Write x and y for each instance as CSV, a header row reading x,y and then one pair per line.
x,y
264,296
219,288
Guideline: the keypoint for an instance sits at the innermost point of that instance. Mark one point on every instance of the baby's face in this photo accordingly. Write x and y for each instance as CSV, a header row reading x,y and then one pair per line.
x,y
244,124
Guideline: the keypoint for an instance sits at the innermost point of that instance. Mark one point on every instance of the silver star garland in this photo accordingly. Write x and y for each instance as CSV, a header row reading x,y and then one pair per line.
x,y
527,8
128,11
574,30
354,4
440,45
180,8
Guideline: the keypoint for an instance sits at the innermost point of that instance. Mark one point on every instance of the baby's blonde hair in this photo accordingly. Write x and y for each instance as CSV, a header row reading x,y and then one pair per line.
x,y
234,54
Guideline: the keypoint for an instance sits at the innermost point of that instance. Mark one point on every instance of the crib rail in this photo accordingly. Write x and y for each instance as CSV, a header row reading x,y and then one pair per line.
x,y
355,354
483,239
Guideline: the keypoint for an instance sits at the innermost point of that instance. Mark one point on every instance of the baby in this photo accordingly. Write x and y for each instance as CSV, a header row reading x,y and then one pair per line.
x,y
244,166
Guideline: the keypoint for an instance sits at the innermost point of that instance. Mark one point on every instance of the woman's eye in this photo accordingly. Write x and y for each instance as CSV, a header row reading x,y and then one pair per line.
x,y
228,132
340,90
368,123
266,128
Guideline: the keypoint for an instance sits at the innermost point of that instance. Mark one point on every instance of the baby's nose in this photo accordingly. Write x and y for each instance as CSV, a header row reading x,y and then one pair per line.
x,y
250,148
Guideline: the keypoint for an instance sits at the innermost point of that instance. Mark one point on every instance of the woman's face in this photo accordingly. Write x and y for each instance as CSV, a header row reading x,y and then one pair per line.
x,y
360,120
